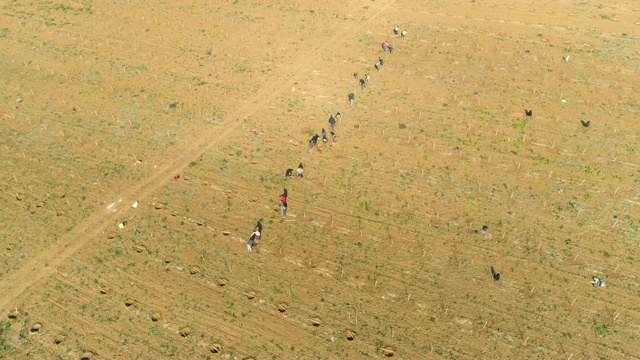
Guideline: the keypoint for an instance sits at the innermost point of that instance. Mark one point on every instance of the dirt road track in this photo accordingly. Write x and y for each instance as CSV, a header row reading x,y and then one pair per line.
x,y
44,264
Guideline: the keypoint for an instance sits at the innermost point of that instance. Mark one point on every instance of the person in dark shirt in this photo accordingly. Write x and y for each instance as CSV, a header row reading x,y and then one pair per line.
x,y
352,98
288,173
332,122
314,141
258,230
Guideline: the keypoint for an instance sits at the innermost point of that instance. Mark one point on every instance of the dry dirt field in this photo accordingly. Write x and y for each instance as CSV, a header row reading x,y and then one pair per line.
x,y
382,253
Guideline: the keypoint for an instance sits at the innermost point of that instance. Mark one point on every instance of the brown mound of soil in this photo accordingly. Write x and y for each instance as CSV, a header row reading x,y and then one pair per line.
x,y
350,335
59,338
388,351
35,327
13,314
185,331
216,348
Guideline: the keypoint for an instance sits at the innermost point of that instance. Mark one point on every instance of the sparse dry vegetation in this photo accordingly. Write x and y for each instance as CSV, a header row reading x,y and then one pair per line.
x,y
383,252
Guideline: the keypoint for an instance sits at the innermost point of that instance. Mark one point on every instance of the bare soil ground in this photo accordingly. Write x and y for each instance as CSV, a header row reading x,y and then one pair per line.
x,y
382,253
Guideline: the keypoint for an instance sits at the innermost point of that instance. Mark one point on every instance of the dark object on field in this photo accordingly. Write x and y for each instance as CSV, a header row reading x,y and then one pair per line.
x,y
496,276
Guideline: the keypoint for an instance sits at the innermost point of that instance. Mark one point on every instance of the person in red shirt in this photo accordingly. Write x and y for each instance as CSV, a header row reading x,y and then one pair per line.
x,y
283,199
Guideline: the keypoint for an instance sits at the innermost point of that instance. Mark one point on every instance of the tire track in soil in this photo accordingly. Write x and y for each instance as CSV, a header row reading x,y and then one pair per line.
x,y
44,264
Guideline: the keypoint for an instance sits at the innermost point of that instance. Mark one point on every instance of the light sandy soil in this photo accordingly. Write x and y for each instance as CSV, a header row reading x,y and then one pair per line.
x,y
382,252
